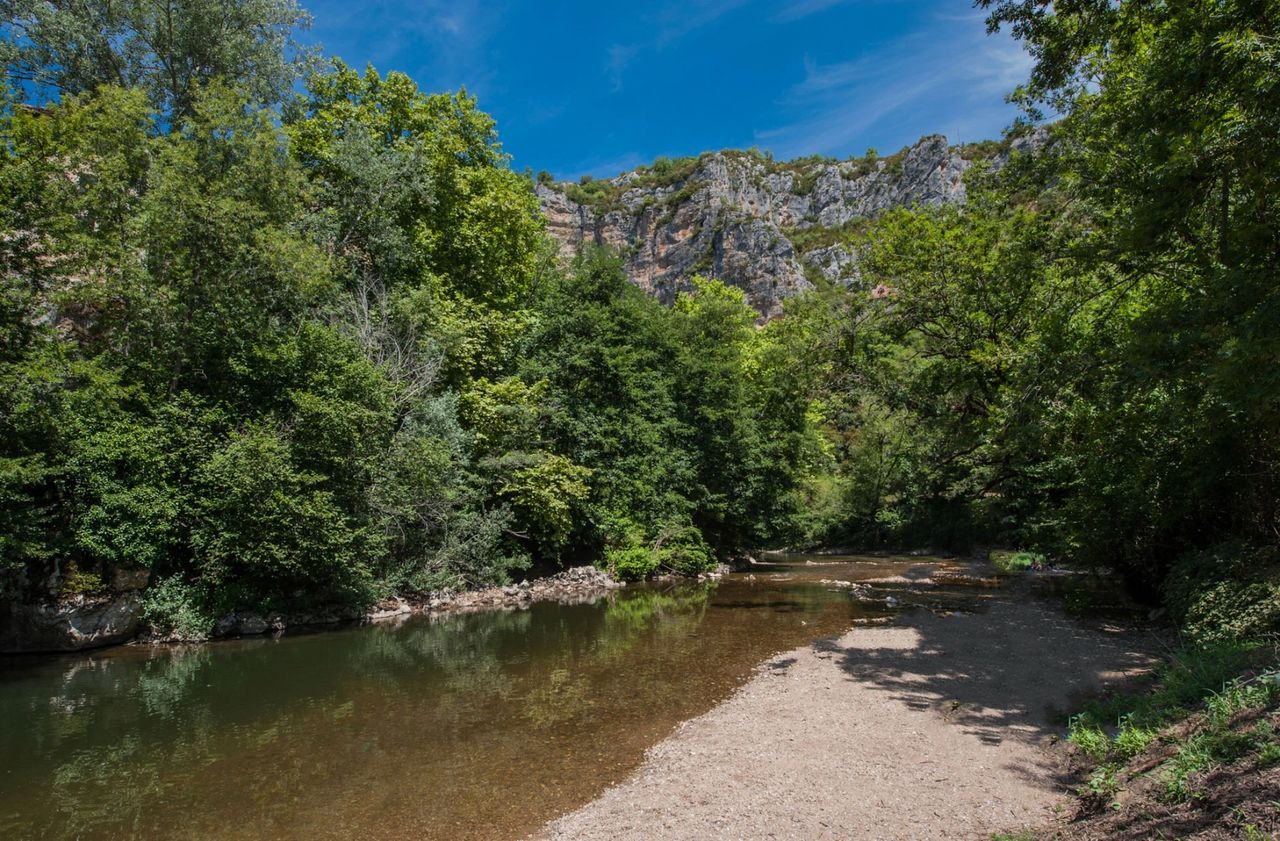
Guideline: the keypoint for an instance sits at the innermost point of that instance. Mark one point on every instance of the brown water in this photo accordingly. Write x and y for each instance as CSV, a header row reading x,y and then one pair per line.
x,y
472,727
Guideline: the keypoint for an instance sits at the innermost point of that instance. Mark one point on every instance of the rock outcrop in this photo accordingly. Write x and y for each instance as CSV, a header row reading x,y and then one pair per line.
x,y
771,229
71,625
571,586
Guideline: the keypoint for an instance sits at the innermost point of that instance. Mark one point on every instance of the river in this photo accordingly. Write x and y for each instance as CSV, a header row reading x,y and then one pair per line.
x,y
480,726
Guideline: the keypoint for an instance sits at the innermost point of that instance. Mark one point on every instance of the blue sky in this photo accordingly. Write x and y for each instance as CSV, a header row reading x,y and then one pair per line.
x,y
592,88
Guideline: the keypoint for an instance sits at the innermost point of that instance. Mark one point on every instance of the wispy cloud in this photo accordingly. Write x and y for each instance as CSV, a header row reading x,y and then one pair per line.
x,y
799,9
679,19
670,23
441,43
619,56
804,8
949,72
540,113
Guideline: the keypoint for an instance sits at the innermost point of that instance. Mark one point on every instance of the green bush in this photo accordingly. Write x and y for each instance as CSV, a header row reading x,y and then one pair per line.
x,y
805,181
172,606
472,553
1228,593
1092,741
1104,781
265,524
667,171
77,582
682,551
593,192
632,563
685,552
1017,561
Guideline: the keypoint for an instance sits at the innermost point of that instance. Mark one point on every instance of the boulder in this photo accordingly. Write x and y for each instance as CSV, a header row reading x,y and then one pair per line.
x,y
226,626
70,626
252,624
124,580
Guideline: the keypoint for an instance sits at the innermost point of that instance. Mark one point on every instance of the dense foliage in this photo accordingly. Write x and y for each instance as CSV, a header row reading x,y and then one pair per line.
x,y
1083,359
280,352
283,347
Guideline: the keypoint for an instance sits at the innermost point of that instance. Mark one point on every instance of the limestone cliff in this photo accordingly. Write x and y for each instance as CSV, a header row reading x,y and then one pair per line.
x,y
769,228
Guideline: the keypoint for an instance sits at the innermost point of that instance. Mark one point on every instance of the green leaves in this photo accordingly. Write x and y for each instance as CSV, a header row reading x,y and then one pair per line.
x,y
167,50
264,524
546,491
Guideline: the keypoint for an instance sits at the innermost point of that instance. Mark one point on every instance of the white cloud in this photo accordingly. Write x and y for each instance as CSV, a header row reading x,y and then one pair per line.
x,y
947,77
804,8
441,43
619,57
679,19
798,9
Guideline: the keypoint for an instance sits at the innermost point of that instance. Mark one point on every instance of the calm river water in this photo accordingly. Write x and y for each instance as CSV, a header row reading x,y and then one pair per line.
x,y
481,726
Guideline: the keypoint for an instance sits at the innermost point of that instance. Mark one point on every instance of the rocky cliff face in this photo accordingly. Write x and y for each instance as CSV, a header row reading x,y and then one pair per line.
x,y
771,229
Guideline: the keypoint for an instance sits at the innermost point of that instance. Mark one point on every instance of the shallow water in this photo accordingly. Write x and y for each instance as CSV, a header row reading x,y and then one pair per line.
x,y
481,726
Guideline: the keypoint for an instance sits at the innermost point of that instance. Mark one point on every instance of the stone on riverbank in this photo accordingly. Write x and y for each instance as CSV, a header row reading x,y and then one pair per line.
x,y
73,625
584,583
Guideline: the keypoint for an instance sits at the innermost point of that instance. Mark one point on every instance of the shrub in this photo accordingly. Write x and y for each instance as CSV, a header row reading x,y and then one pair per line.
x,y
265,524
679,548
1017,561
77,582
1104,782
172,606
1228,593
1089,738
1131,740
472,554
632,563
667,171
805,181
593,192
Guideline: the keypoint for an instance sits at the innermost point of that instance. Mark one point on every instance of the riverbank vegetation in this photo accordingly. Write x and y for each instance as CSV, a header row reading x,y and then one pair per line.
x,y
1081,360
282,348
282,332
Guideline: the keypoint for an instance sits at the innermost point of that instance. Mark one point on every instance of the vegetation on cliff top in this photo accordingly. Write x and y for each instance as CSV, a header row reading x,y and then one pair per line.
x,y
605,195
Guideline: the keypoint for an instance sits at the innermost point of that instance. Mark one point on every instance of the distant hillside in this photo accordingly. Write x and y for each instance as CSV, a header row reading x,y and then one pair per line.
x,y
771,228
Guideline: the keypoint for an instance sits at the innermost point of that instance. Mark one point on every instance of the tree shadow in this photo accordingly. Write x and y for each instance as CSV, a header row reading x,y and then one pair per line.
x,y
1015,671
781,664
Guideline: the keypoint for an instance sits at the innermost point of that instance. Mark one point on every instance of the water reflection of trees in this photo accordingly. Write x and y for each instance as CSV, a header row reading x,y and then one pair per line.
x,y
572,684
144,746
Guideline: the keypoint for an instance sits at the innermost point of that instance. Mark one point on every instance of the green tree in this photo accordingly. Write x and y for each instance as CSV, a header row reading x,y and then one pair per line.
x,y
601,353
417,199
168,49
715,332
1167,148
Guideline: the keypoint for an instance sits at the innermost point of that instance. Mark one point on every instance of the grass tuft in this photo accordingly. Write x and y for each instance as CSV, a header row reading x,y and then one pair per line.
x,y
1214,687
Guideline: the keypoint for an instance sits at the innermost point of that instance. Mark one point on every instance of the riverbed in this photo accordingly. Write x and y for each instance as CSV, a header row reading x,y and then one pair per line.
x,y
481,726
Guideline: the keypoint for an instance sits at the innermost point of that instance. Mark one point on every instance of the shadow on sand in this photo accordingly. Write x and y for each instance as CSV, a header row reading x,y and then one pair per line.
x,y
1015,671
